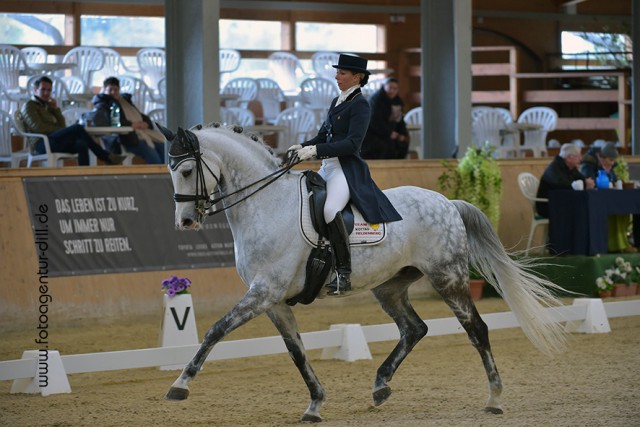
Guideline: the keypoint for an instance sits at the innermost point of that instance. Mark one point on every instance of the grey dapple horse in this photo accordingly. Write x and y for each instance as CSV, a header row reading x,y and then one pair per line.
x,y
437,238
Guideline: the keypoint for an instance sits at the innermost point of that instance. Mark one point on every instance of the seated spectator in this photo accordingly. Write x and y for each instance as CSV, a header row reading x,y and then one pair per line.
x,y
144,141
604,159
560,175
387,136
41,114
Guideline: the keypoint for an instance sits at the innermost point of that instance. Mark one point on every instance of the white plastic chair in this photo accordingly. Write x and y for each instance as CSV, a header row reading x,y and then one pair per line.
x,y
141,95
88,60
316,94
371,87
323,62
536,140
237,116
245,88
486,127
285,68
7,155
12,66
153,65
158,115
528,184
114,65
49,158
300,124
413,119
34,55
270,97
229,62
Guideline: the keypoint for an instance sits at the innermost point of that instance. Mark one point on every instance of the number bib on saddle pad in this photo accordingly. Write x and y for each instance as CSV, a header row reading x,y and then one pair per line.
x,y
363,233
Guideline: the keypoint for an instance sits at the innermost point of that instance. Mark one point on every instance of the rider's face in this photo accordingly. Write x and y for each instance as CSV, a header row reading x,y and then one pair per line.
x,y
346,79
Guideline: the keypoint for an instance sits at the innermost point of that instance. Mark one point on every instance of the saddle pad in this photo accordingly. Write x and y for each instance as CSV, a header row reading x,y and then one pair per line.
x,y
363,233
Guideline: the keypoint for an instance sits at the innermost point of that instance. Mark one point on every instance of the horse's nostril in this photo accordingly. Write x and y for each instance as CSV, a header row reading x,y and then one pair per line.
x,y
186,222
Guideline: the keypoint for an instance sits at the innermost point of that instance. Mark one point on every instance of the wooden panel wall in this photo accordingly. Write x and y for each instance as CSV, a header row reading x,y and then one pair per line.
x,y
103,296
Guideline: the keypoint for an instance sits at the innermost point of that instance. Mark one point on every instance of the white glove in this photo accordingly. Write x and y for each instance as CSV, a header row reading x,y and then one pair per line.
x,y
294,147
306,153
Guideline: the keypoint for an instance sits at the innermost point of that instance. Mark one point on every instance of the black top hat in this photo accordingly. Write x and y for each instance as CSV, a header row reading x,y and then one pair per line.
x,y
352,63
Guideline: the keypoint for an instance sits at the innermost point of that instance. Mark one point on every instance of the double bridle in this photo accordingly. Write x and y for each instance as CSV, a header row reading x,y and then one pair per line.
x,y
189,142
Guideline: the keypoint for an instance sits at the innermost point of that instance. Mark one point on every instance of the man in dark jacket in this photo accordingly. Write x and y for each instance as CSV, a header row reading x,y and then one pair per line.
x,y
387,136
41,114
144,141
559,175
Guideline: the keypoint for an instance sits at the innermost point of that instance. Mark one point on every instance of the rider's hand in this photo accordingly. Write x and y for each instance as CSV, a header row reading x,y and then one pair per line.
x,y
291,151
294,147
306,153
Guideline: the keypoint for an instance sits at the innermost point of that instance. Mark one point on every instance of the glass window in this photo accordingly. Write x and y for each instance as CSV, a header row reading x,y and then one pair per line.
x,y
122,31
315,36
32,29
254,35
599,50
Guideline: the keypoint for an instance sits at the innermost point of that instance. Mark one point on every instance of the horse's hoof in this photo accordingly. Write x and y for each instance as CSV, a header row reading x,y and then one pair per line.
x,y
176,393
380,396
490,410
310,418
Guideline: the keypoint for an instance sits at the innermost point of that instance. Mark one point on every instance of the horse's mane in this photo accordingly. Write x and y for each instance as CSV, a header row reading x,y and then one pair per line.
x,y
252,141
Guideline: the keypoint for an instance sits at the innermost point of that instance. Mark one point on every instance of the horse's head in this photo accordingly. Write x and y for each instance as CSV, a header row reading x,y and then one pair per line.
x,y
193,178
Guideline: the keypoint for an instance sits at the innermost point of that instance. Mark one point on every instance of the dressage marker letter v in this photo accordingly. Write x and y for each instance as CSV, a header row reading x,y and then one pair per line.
x,y
179,324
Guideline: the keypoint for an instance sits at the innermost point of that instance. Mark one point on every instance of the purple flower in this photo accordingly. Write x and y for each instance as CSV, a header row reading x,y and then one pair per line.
x,y
176,286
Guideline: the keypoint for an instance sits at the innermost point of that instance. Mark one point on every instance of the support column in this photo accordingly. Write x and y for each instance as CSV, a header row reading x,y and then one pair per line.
x,y
635,78
193,69
446,76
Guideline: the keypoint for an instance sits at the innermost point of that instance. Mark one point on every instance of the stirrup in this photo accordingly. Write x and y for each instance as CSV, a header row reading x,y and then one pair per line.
x,y
340,285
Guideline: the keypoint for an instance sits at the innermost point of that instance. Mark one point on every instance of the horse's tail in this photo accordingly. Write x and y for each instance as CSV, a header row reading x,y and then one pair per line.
x,y
526,294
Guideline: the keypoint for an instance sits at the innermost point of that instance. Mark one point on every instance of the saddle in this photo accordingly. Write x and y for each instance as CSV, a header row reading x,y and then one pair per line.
x,y
320,262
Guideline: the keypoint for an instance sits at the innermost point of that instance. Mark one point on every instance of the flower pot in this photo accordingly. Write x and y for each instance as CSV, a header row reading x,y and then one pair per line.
x,y
475,288
628,185
619,290
604,294
637,288
632,289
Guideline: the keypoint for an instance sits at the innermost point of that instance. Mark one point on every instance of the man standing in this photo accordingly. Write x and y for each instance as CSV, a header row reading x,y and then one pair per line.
x,y
41,114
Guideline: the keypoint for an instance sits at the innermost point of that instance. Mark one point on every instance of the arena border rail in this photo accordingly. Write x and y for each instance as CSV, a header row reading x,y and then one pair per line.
x,y
345,342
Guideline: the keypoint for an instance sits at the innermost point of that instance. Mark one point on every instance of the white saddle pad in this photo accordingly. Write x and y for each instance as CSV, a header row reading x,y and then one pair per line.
x,y
363,233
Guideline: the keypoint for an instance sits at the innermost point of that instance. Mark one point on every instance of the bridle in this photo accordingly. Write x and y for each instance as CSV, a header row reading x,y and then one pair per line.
x,y
189,142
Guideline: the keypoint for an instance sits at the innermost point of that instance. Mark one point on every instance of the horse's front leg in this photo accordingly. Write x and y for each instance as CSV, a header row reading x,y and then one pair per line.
x,y
256,301
282,317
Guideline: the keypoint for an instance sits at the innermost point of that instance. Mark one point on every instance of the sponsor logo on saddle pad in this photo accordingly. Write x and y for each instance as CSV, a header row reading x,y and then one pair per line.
x,y
363,233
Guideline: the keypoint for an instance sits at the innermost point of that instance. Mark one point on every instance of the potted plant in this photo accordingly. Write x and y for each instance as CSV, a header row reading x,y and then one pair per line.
x,y
621,170
476,284
634,278
477,179
617,279
176,286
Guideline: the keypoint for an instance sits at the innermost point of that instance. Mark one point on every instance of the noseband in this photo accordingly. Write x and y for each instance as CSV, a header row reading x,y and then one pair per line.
x,y
190,150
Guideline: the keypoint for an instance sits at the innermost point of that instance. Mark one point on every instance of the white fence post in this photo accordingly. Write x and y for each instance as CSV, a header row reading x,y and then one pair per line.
x,y
49,375
354,344
595,321
178,325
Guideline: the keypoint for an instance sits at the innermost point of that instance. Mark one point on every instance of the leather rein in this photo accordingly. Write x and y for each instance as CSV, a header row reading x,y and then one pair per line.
x,y
202,193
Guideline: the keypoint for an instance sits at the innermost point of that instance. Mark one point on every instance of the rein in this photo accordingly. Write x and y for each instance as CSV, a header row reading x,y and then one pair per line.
x,y
190,142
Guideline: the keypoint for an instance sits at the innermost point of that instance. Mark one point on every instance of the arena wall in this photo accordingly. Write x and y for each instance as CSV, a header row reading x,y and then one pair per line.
x,y
104,296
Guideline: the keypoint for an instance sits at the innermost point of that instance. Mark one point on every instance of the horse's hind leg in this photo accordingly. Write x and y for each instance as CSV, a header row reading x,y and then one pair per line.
x,y
459,300
394,299
282,317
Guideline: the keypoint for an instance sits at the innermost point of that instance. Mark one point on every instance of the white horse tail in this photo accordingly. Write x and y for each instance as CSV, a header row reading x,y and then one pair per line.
x,y
526,294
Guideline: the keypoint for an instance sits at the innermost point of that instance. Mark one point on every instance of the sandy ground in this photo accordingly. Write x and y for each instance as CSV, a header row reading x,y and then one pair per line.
x,y
442,383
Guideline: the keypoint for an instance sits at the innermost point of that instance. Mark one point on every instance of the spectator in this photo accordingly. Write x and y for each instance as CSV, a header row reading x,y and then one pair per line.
x,y
560,175
144,141
41,114
604,159
387,136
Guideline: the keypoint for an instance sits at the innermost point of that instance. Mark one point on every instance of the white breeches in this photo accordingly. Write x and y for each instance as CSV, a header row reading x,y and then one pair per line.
x,y
337,188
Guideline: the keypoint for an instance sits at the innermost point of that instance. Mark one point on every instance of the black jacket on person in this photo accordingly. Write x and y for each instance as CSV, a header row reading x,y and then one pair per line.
x,y
103,102
377,143
557,176
590,166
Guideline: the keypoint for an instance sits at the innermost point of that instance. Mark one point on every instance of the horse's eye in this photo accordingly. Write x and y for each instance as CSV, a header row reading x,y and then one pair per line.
x,y
186,173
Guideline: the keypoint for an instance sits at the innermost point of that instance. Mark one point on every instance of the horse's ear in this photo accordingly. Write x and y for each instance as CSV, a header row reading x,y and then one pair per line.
x,y
166,132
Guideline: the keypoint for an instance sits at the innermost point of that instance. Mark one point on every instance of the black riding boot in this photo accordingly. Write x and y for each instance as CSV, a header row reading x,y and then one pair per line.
x,y
340,244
